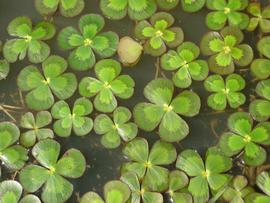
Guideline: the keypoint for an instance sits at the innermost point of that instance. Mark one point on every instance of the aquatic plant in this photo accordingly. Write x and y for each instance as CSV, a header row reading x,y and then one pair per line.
x,y
185,61
41,88
114,191
67,8
138,192
225,50
137,10
113,131
243,137
76,119
87,42
204,176
260,108
163,110
36,127
260,17
11,192
192,5
109,83
159,33
13,156
237,190
225,91
4,69
28,40
178,180
224,11
51,173
148,164
167,4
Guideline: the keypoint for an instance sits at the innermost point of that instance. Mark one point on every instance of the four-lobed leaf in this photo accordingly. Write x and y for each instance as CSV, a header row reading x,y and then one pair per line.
x,y
184,61
163,111
36,128
67,8
159,33
225,50
28,40
224,11
204,176
225,91
76,119
87,42
244,138
148,164
108,84
113,131
51,174
41,88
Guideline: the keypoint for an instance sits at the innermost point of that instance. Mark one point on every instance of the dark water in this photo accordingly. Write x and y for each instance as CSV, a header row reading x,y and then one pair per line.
x,y
104,164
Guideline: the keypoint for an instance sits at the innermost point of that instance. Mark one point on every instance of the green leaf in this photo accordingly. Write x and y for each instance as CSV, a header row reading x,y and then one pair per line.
x,y
198,187
91,19
71,165
263,46
214,83
15,26
162,153
10,191
71,8
259,109
65,36
192,6
137,150
177,180
190,162
217,163
263,89
91,197
263,182
235,82
156,42
103,124
114,9
89,86
4,69
116,191
148,32
9,134
240,123
111,139
216,45
46,152
260,68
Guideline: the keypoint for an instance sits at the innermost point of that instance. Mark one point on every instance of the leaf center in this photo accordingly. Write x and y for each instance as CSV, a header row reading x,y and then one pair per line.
x,y
28,38
51,170
227,49
227,10
206,173
167,107
226,90
47,81
247,138
115,126
148,164
159,33
87,42
107,85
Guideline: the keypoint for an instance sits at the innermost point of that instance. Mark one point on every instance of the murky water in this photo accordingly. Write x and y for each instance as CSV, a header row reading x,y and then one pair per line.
x,y
104,164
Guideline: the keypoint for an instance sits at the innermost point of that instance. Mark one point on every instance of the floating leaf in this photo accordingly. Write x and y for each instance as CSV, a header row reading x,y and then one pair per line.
x,y
87,42
108,85
28,41
192,5
41,88
76,119
56,188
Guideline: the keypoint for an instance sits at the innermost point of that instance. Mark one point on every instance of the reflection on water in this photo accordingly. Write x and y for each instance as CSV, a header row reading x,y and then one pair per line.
x,y
103,164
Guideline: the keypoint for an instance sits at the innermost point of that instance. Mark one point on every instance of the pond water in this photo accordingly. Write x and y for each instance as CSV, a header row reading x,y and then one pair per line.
x,y
104,164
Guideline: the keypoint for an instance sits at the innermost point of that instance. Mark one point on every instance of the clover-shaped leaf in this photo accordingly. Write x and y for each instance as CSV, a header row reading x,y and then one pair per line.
x,y
148,165
260,108
192,5
138,193
257,198
225,91
87,41
260,68
114,191
260,17
178,180
185,61
4,69
226,11
113,130
41,88
167,4
11,192
68,8
226,50
76,119
35,128
243,137
109,83
237,190
263,46
159,33
28,40
204,176
163,110
137,10
12,156
51,174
